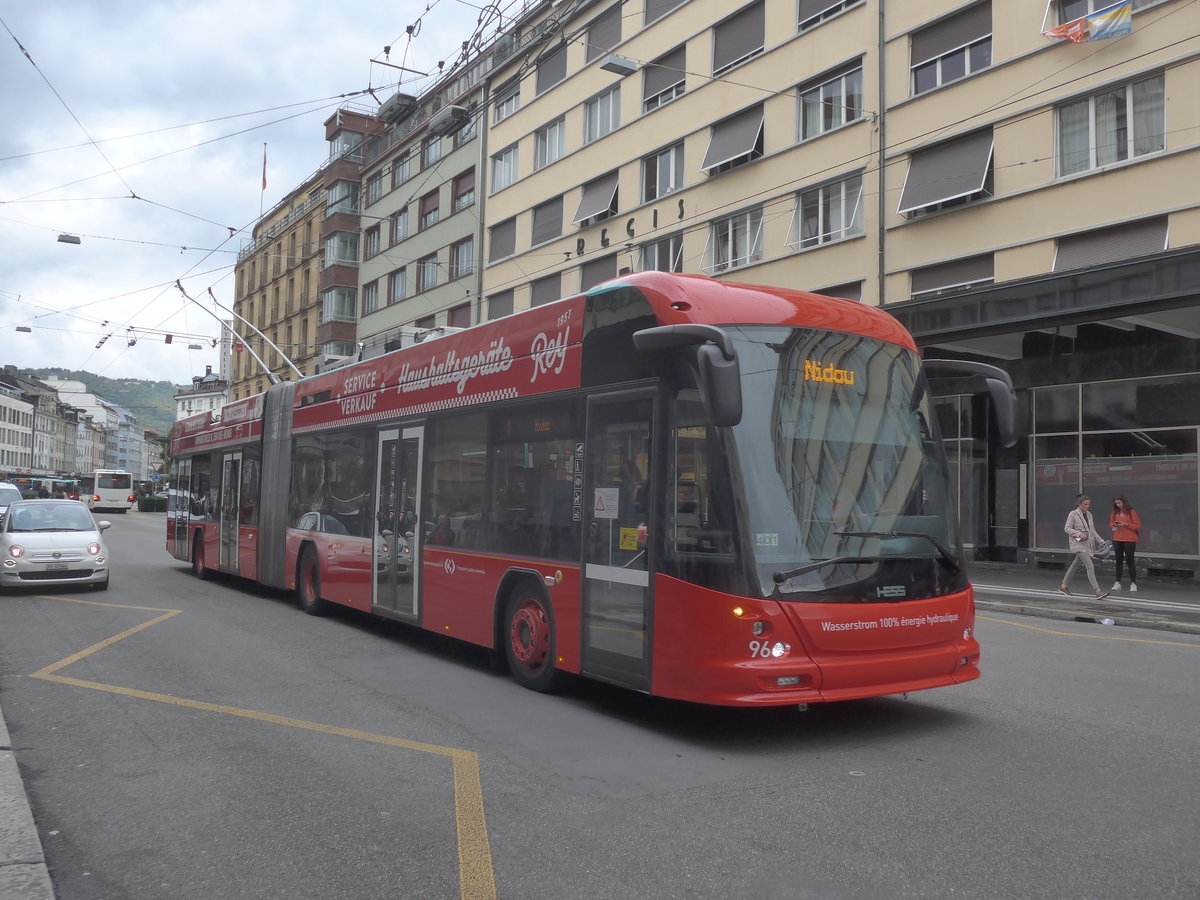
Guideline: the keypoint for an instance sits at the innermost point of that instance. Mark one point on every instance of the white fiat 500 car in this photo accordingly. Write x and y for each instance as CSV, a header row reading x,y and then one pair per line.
x,y
51,543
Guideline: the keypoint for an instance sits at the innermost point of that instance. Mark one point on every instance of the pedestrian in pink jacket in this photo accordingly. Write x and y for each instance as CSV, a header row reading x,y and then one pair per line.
x,y
1082,538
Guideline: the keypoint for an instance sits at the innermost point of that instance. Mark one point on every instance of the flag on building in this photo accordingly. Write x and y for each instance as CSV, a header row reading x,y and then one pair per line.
x,y
264,167
1110,22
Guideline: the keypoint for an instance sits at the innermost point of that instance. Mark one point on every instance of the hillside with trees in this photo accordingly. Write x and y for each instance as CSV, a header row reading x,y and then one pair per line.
x,y
151,402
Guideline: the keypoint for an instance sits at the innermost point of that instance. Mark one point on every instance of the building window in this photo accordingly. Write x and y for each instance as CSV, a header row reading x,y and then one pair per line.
x,y
735,241
337,305
832,103
1105,245
663,255
545,290
1115,125
462,258
549,143
431,151
598,200
374,188
507,101
370,298
342,198
664,79
503,240
429,209
547,221
500,305
399,225
827,213
469,129
429,321
401,170
662,172
371,242
603,33
459,316
397,286
1070,10
656,9
341,249
427,272
602,115
594,271
735,141
504,168
951,174
739,38
463,190
814,12
952,48
551,69
952,277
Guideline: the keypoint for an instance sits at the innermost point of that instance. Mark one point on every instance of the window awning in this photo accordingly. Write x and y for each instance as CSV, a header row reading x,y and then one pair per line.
x,y
504,240
734,137
664,72
1127,241
948,171
597,197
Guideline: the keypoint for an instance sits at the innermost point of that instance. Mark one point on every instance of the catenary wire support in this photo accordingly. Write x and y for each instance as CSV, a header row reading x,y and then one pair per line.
x,y
271,376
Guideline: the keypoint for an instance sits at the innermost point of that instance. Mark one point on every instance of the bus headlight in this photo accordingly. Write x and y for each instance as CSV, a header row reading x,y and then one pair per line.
x,y
780,649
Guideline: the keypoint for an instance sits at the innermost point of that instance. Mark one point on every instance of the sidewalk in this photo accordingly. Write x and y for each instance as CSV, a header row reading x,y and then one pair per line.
x,y
1167,604
23,872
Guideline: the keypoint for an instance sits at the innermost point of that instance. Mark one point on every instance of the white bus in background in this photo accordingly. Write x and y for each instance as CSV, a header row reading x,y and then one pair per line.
x,y
108,489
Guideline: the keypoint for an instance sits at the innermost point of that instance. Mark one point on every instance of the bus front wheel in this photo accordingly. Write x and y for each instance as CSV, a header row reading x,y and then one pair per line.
x,y
198,567
529,639
308,584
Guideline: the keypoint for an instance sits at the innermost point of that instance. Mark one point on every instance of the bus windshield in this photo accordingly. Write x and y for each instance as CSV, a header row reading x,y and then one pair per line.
x,y
842,468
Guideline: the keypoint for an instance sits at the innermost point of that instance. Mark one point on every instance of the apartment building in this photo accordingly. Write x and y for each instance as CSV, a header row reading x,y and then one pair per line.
x,y
1013,198
277,277
420,224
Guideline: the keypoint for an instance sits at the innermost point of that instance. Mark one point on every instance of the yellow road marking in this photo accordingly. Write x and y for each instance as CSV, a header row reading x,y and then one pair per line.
x,y
476,878
1095,637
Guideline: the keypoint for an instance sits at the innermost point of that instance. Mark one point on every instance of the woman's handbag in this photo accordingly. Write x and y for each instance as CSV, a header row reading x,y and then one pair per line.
x,y
1103,548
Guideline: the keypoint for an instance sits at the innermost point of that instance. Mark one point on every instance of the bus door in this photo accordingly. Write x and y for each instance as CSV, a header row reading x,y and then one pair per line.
x,y
397,522
617,501
178,507
231,504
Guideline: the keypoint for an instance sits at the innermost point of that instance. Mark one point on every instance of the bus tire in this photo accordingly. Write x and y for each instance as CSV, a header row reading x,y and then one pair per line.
x,y
308,584
528,638
198,567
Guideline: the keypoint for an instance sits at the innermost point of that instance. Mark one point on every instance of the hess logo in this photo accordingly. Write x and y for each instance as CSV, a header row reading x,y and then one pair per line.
x,y
448,566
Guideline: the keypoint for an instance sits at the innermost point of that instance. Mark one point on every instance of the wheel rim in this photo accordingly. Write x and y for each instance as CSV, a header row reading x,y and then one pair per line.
x,y
529,635
308,587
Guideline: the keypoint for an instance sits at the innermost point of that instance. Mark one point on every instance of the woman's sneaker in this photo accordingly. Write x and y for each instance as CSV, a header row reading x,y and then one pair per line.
x,y
1117,586
1133,587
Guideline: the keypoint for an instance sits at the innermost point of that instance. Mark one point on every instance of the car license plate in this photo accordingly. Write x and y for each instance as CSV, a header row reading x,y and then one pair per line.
x,y
54,567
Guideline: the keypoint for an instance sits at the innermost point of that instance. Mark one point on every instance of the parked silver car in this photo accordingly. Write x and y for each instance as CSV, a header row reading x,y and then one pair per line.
x,y
46,543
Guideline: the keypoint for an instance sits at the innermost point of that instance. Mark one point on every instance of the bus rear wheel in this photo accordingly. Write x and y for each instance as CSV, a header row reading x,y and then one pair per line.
x,y
308,584
198,567
529,639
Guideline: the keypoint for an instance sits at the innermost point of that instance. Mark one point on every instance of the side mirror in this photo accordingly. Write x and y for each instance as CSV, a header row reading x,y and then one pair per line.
x,y
716,358
104,524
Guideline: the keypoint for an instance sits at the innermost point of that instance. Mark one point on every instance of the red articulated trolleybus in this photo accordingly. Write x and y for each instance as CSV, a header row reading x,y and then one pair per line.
x,y
721,493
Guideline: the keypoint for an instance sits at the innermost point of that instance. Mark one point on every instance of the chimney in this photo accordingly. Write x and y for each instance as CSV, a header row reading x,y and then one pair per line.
x,y
207,371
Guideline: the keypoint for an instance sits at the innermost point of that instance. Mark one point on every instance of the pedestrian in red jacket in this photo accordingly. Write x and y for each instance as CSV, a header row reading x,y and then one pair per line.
x,y
1124,523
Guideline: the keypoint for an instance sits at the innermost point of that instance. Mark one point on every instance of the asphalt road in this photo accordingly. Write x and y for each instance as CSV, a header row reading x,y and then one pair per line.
x,y
191,739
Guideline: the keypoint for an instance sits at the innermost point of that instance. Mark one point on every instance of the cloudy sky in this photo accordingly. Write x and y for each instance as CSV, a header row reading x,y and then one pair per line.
x,y
139,127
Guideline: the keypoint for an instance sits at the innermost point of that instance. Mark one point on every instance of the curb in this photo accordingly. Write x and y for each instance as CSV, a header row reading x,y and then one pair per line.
x,y
23,870
1088,614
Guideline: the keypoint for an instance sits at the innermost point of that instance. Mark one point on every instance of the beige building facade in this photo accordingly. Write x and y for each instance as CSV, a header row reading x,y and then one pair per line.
x,y
1012,198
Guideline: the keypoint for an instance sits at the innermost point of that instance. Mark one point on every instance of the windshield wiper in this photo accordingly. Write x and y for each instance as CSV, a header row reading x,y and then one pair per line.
x,y
781,577
948,558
